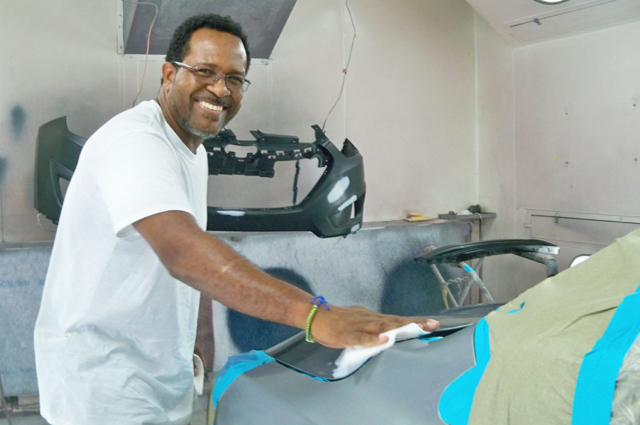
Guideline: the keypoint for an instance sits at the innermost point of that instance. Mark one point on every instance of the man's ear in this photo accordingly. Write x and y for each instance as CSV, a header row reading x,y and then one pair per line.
x,y
168,73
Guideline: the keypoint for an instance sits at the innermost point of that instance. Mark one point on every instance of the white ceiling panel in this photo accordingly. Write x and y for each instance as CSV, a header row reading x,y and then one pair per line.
x,y
521,22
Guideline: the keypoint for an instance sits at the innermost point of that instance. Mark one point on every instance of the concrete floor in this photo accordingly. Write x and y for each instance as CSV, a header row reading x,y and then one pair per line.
x,y
199,415
24,419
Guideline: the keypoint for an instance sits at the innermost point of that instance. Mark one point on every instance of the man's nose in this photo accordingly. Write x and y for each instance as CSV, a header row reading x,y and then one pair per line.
x,y
219,86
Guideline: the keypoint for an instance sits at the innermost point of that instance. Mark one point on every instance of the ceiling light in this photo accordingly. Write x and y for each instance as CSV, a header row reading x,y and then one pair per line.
x,y
551,1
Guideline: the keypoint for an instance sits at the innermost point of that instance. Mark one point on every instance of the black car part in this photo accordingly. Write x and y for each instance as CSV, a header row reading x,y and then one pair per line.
x,y
333,207
57,153
532,249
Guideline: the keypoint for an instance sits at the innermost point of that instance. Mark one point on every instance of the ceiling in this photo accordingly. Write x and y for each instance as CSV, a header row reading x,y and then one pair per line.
x,y
522,22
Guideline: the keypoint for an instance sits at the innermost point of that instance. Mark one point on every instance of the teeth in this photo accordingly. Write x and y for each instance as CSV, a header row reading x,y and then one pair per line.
x,y
211,106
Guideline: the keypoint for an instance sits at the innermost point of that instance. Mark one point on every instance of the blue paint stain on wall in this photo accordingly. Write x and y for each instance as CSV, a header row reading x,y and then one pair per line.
x,y
249,333
14,283
18,119
4,164
18,371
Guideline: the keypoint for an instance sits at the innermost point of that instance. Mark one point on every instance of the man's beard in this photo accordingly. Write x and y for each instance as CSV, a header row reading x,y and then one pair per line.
x,y
189,127
195,132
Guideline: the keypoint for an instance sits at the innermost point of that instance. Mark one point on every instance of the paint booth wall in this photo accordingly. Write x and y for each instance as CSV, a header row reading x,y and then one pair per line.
x,y
61,60
58,60
558,131
408,104
577,113
496,158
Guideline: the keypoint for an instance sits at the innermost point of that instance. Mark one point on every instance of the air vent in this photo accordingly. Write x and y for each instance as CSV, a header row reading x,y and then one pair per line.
x,y
263,22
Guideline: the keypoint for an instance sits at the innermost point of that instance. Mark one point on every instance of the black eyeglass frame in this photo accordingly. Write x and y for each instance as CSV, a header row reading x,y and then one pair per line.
x,y
215,77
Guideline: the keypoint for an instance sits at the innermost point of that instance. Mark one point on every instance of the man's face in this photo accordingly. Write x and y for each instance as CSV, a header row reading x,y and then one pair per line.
x,y
202,110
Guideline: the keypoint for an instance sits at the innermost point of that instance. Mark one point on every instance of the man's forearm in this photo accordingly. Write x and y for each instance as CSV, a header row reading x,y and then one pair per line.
x,y
211,266
206,263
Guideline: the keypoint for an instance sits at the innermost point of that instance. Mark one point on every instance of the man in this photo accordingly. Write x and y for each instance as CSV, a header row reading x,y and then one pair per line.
x,y
116,329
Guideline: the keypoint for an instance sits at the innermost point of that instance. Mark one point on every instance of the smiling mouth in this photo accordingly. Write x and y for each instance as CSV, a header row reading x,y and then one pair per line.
x,y
211,106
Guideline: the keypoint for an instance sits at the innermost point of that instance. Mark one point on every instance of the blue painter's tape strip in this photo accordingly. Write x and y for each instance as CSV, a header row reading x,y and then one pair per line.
x,y
516,310
236,366
599,370
457,399
429,338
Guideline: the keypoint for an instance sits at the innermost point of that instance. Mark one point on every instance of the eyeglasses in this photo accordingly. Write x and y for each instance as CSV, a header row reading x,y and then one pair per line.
x,y
235,83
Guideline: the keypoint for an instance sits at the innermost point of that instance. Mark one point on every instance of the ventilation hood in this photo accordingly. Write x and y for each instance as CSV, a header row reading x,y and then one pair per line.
x,y
522,22
262,20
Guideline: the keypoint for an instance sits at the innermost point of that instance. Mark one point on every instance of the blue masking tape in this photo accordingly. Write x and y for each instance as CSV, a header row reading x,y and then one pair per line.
x,y
516,310
599,370
455,403
236,366
429,338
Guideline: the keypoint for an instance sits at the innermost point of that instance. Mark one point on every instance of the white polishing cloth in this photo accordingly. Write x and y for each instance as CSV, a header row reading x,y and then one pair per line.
x,y
198,380
354,357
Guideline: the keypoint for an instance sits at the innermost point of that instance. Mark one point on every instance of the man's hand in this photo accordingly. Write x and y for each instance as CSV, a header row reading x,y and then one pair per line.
x,y
343,327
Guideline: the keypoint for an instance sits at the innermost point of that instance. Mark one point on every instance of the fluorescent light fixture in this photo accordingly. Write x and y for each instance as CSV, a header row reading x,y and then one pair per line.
x,y
551,1
579,259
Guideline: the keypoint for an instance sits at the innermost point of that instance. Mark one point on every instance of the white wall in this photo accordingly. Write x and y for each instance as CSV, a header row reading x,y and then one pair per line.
x,y
575,118
59,59
578,123
496,153
411,106
577,137
409,103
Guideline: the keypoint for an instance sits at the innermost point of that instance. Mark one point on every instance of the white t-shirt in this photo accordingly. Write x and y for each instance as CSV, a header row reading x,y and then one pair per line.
x,y
115,333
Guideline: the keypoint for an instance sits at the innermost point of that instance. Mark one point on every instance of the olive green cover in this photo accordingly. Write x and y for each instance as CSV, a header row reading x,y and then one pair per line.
x,y
539,339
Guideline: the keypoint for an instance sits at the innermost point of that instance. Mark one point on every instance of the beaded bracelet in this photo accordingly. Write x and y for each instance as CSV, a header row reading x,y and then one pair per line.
x,y
317,302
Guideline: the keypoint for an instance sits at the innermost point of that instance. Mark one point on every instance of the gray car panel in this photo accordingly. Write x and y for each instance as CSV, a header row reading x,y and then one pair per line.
x,y
401,385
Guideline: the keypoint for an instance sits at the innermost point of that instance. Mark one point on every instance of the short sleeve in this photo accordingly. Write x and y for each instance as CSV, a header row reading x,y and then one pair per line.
x,y
140,175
